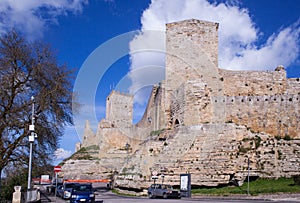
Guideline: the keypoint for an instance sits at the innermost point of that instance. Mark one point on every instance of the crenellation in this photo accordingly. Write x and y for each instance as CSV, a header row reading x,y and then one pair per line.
x,y
264,113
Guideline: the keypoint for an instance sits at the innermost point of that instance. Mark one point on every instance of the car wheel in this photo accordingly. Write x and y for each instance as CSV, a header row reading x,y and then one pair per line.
x,y
151,196
165,196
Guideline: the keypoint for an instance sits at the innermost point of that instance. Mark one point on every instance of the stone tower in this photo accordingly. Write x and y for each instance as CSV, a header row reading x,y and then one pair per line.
x,y
192,66
192,51
119,109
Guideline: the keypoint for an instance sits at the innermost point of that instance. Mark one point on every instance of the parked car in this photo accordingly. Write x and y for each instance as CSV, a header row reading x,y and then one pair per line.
x,y
60,191
162,190
82,193
64,191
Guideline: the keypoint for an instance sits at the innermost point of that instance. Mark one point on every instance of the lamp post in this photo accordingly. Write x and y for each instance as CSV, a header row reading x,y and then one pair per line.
x,y
163,178
31,140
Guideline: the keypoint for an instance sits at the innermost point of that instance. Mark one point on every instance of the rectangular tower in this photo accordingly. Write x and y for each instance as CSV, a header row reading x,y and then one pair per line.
x,y
192,61
191,51
119,109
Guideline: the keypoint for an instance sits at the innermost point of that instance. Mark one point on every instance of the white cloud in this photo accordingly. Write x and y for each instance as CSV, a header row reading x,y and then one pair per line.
x,y
282,48
32,16
238,36
61,154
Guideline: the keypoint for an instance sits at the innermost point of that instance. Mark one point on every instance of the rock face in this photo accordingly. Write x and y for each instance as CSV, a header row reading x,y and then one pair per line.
x,y
213,154
200,120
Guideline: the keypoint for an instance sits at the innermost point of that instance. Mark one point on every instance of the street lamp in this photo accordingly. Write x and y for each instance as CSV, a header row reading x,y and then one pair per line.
x,y
31,140
163,178
127,146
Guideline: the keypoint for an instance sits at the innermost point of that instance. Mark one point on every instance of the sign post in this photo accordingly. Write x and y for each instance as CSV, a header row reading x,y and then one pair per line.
x,y
185,185
248,188
57,169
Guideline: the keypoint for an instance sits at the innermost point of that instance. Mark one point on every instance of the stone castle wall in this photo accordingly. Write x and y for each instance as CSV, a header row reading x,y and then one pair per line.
x,y
239,83
277,115
293,85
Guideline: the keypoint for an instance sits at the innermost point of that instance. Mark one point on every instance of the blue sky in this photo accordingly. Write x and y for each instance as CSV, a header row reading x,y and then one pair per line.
x,y
99,39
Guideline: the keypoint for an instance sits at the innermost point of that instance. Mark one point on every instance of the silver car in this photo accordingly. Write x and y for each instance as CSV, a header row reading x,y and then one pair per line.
x,y
162,190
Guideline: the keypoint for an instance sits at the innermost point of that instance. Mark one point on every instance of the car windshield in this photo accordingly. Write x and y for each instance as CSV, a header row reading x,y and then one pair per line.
x,y
169,187
69,185
83,188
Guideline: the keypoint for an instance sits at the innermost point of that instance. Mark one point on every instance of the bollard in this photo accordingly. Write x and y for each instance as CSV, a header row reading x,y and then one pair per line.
x,y
17,195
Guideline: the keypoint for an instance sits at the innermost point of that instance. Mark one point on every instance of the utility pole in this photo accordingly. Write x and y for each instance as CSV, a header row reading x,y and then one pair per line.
x,y
248,186
31,140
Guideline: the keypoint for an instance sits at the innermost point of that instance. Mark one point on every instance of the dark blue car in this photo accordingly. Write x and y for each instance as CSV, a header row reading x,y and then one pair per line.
x,y
82,193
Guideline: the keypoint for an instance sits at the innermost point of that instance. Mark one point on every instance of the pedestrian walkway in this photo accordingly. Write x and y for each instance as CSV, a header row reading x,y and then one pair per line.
x,y
50,198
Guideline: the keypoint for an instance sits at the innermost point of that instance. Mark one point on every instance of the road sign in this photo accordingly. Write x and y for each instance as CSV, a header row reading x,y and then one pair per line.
x,y
57,169
154,173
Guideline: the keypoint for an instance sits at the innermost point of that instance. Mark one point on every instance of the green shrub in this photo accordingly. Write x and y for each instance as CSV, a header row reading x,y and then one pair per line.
x,y
257,142
156,132
259,186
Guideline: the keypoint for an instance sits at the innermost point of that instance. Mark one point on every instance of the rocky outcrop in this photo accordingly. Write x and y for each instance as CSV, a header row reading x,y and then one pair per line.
x,y
214,155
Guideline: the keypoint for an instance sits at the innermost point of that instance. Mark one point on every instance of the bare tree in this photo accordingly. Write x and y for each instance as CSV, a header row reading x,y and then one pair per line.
x,y
31,69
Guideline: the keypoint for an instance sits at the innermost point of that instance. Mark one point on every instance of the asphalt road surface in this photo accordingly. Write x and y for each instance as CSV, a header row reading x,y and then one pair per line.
x,y
106,196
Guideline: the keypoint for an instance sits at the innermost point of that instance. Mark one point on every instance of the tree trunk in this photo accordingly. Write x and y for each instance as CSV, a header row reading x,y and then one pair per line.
x,y
0,182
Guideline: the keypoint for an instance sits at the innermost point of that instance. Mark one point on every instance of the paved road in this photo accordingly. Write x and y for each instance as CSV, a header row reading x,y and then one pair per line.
x,y
108,197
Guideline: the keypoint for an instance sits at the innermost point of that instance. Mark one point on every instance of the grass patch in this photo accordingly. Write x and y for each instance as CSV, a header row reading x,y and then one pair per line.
x,y
92,147
83,153
156,132
115,191
260,186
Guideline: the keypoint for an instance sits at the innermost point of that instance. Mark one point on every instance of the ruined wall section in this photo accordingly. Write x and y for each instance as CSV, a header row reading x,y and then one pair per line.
x,y
119,109
89,137
244,83
153,118
277,115
154,102
191,104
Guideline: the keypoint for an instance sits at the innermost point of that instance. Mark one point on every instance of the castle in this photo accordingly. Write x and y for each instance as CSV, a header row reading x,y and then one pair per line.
x,y
200,120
